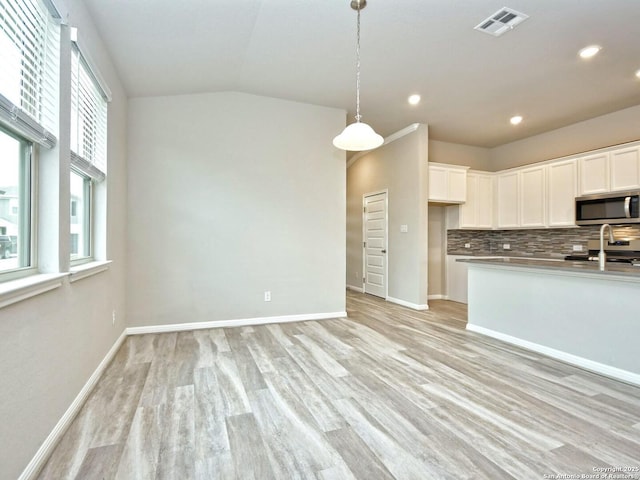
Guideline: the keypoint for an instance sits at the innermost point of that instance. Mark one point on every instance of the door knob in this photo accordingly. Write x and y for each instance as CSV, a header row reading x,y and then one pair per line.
x,y
383,251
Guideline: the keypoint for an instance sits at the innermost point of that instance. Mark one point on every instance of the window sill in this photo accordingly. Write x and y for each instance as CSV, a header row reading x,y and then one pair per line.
x,y
88,269
15,291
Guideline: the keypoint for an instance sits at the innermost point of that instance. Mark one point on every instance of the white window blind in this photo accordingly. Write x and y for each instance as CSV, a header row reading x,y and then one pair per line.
x,y
29,51
88,120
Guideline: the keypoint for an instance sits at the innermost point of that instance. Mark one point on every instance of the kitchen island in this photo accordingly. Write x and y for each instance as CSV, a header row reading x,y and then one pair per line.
x,y
571,311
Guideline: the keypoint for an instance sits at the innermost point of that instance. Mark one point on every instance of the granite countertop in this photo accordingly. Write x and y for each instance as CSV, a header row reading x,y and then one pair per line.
x,y
576,267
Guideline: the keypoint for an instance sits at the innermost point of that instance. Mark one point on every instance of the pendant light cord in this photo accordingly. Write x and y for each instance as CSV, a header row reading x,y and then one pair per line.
x,y
358,116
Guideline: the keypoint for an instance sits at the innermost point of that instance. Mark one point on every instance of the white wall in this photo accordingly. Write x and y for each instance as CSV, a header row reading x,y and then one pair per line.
x,y
614,128
477,158
231,195
400,167
611,129
52,343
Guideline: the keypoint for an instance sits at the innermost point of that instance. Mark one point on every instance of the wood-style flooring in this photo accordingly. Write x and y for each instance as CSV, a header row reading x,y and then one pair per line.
x,y
387,393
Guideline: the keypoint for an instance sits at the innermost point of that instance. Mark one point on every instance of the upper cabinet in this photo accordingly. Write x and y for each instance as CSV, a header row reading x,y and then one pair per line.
x,y
447,183
594,173
507,200
532,197
624,169
562,187
477,211
611,171
535,196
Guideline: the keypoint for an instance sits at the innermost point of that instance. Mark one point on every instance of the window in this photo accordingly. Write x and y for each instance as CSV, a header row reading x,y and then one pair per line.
x,y
15,203
88,152
81,202
29,46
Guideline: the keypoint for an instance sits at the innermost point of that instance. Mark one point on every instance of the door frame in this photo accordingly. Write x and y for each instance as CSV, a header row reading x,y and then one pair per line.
x,y
386,246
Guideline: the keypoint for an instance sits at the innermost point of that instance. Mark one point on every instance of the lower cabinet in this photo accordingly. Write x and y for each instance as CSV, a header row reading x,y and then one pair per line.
x,y
457,278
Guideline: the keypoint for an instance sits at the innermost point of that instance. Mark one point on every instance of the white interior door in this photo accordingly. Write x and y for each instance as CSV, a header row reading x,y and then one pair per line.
x,y
375,244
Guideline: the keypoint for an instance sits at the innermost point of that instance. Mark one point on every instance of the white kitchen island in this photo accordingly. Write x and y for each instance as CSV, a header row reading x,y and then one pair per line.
x,y
567,310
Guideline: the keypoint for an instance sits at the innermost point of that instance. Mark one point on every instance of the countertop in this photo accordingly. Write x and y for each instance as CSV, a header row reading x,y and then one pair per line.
x,y
583,268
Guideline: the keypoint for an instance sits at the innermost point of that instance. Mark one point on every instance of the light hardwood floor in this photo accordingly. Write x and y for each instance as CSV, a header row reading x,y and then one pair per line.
x,y
387,393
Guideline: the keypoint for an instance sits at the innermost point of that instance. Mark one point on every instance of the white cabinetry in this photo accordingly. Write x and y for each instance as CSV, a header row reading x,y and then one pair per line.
x,y
562,180
594,173
447,183
457,278
507,200
625,169
532,196
612,171
477,211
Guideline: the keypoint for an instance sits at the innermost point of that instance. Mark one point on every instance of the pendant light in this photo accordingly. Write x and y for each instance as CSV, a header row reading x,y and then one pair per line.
x,y
358,136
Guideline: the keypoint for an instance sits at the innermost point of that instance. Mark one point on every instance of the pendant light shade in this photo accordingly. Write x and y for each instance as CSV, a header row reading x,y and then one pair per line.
x,y
358,136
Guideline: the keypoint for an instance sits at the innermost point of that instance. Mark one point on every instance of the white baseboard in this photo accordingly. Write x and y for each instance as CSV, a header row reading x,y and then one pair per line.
x,y
50,443
241,322
414,306
355,289
597,367
437,297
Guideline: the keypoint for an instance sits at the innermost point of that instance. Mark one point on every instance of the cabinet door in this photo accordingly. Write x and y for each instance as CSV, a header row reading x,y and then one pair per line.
x,y
457,185
562,190
594,174
438,184
625,169
456,279
533,193
484,201
507,200
469,209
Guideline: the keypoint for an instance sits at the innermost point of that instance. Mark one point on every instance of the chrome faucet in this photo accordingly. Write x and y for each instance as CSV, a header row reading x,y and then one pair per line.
x,y
602,256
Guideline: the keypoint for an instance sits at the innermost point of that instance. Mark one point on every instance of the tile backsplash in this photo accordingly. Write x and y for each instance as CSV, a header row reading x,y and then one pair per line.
x,y
543,242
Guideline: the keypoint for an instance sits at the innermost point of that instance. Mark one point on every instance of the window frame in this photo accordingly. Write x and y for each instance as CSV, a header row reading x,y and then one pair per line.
x,y
27,201
88,219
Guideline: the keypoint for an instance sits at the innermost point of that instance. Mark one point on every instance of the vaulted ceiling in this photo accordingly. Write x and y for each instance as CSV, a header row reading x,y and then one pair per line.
x,y
471,83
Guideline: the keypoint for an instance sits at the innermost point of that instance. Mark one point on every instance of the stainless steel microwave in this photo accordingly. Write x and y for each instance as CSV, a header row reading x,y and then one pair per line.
x,y
615,208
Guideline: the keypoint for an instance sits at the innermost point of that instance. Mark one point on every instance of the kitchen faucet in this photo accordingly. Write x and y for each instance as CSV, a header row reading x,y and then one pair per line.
x,y
602,257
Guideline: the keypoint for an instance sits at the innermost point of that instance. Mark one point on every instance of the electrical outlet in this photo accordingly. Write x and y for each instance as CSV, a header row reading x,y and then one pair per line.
x,y
404,228
577,248
506,246
113,318
467,245
267,296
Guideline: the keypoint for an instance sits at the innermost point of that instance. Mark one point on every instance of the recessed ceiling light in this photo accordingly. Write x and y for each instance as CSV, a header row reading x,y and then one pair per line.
x,y
638,73
590,51
414,99
515,120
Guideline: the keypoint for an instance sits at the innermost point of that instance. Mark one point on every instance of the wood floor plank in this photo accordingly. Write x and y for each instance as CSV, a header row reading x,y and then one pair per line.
x,y
393,455
211,437
100,462
232,390
362,462
292,379
140,456
387,393
249,453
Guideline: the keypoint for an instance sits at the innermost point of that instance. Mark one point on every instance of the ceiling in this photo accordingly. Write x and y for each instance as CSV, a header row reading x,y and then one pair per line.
x,y
471,83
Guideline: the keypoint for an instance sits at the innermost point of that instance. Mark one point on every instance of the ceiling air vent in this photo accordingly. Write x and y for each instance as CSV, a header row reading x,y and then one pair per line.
x,y
501,22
